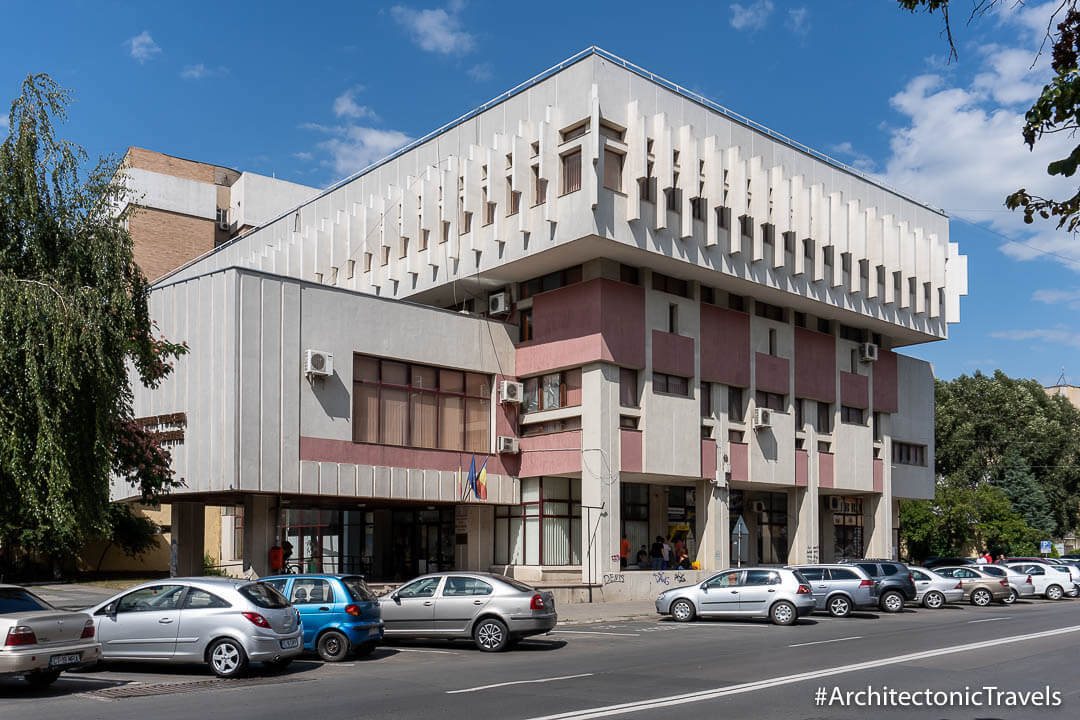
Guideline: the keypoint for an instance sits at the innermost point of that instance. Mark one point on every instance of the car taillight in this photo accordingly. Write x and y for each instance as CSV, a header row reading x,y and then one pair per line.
x,y
537,602
257,619
352,610
1028,581
866,583
959,586
803,590
21,635
1004,582
911,577
88,630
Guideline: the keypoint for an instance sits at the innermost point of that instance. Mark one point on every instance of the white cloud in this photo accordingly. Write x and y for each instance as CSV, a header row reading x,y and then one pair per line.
x,y
437,30
1058,336
143,47
857,159
305,156
798,20
355,147
1069,298
752,16
480,73
345,105
200,71
3,122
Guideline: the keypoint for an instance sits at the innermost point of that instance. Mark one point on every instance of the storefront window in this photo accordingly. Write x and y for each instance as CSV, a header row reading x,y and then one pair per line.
x,y
848,529
635,519
545,529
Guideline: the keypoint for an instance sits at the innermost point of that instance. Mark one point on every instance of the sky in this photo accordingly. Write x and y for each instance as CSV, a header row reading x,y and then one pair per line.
x,y
312,92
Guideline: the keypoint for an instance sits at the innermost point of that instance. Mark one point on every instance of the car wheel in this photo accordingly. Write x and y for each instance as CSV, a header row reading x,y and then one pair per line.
x,y
839,606
333,646
279,664
981,597
365,649
490,635
1053,592
892,602
682,611
42,678
933,600
783,613
1013,597
227,658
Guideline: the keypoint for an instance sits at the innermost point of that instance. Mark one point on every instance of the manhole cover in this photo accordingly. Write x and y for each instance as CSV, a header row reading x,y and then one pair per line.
x,y
152,689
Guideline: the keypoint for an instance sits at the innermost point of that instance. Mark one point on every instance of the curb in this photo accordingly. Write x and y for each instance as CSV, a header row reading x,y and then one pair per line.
x,y
617,618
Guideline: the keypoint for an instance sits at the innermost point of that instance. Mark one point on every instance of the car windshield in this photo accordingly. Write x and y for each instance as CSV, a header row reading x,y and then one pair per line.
x,y
13,600
358,588
264,596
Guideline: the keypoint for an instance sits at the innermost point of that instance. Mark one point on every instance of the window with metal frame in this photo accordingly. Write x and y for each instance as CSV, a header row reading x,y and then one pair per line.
x,y
545,529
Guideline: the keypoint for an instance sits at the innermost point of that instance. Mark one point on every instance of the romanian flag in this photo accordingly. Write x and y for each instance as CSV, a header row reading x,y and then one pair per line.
x,y
480,488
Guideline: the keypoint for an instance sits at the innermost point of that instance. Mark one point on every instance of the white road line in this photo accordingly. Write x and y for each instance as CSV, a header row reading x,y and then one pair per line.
x,y
517,682
592,632
822,642
661,702
440,652
988,619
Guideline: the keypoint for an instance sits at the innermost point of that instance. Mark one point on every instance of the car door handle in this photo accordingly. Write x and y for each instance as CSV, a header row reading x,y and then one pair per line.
x,y
165,620
772,589
477,602
428,603
324,609
734,592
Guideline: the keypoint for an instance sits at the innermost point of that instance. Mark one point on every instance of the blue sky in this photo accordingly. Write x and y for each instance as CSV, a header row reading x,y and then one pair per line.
x,y
312,92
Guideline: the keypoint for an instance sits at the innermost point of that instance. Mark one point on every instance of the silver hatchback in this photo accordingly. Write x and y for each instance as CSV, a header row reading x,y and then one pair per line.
x,y
223,622
933,591
840,589
779,594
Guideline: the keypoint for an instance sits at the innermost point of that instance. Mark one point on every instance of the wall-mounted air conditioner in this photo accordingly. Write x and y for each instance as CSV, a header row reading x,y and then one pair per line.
x,y
499,303
506,445
762,418
511,392
318,363
868,352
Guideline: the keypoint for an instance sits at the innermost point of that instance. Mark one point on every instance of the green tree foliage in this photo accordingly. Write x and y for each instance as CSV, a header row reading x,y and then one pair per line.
x,y
1025,494
1056,110
134,534
73,319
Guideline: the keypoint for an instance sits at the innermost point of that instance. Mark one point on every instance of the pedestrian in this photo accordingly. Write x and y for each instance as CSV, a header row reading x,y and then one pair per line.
x,y
980,560
624,552
1000,559
656,553
667,554
680,544
988,557
682,560
643,558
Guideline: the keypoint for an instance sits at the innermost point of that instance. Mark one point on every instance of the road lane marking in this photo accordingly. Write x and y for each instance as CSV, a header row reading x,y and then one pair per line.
x,y
517,682
822,642
440,652
662,702
592,632
988,619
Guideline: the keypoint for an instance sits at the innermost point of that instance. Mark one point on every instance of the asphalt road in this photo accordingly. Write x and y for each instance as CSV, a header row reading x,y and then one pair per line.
x,y
646,669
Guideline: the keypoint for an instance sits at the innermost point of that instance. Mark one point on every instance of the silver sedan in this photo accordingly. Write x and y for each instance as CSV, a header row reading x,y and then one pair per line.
x,y
41,641
933,590
781,595
493,610
224,622
1020,583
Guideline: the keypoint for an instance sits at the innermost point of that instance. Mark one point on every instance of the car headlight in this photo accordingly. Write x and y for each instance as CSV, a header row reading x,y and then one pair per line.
x,y
661,595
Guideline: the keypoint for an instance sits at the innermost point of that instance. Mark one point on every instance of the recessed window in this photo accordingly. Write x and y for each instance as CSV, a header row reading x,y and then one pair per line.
x,y
525,325
769,312
552,391
668,284
551,281
824,418
735,407
367,262
697,208
736,302
800,417
772,342
539,185
628,387
613,163
575,131
706,399
629,274
571,172
852,416
385,256
674,197
673,318
908,454
854,334
773,401
723,218
513,199
671,384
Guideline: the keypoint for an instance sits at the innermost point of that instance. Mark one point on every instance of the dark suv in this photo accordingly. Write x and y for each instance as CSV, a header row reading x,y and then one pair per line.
x,y
893,580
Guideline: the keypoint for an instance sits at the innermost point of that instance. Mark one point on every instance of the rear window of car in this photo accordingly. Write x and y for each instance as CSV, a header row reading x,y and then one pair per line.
x,y
517,584
993,571
889,569
14,600
800,577
870,568
358,589
264,596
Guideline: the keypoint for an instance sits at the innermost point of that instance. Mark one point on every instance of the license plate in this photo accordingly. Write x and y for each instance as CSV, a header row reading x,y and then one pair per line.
x,y
289,644
59,660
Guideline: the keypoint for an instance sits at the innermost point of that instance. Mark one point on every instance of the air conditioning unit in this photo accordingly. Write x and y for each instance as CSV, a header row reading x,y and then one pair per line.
x,y
506,445
511,392
868,352
318,363
762,418
499,303
835,503
757,506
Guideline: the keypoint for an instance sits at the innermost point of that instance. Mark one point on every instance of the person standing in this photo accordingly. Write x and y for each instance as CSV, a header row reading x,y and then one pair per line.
x,y
624,552
656,554
667,554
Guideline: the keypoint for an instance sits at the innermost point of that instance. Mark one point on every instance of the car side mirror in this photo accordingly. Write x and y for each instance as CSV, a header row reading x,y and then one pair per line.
x,y
704,587
110,610
395,597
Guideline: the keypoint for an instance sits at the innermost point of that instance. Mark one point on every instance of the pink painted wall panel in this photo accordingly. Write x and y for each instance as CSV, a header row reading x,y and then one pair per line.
x,y
573,387
854,390
708,458
772,374
879,475
885,393
506,414
672,354
802,468
550,454
826,463
725,346
630,450
815,365
535,358
739,455
623,322
345,451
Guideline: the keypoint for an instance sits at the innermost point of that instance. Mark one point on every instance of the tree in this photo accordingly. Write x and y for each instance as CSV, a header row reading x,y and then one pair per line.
x,y
1024,493
133,534
73,318
1056,110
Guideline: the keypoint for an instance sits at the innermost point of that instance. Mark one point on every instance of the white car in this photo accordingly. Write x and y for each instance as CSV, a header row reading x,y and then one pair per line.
x,y
1048,582
40,641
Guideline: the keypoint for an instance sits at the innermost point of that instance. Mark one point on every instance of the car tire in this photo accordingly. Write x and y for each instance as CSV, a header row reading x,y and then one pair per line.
x,y
42,678
981,597
783,613
1013,597
279,664
227,658
682,611
933,600
332,646
491,635
892,602
365,649
1054,592
839,606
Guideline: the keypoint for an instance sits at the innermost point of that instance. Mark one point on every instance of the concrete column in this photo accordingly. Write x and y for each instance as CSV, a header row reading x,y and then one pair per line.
x,y
599,471
714,527
478,553
803,529
877,533
827,536
186,545
260,532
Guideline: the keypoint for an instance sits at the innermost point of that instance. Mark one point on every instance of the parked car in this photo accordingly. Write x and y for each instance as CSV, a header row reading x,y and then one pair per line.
x,y
1046,581
224,622
780,594
1071,587
40,641
895,582
932,563
933,591
1019,583
493,610
339,613
839,589
979,588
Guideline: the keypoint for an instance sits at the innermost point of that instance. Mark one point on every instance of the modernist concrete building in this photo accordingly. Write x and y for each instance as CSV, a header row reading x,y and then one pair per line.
x,y
704,317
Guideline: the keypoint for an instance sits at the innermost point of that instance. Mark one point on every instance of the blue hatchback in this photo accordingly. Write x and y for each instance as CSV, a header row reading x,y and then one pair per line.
x,y
339,613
